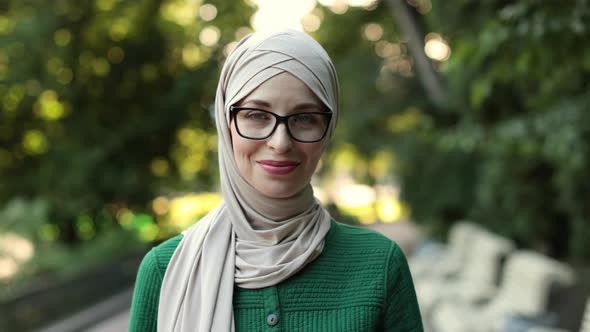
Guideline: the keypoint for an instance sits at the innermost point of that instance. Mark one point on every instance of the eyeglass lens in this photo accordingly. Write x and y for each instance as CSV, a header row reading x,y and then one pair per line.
x,y
258,124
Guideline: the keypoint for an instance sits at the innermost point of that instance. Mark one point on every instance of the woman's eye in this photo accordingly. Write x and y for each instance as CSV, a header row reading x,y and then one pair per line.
x,y
257,116
306,119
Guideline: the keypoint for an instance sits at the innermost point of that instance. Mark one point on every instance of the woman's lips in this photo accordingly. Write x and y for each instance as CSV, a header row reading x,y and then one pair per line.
x,y
276,167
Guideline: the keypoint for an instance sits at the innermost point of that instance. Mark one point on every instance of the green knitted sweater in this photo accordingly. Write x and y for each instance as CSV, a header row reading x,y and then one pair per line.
x,y
360,282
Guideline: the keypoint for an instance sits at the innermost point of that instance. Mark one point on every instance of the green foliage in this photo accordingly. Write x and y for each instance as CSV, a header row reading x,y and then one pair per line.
x,y
105,104
29,242
518,77
438,176
101,100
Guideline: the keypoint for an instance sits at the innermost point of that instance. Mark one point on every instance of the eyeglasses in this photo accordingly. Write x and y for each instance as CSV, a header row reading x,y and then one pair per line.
x,y
257,124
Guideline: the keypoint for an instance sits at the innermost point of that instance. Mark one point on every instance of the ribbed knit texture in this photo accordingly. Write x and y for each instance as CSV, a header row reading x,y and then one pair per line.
x,y
360,282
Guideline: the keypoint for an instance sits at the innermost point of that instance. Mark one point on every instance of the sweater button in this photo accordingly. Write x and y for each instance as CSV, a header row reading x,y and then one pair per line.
x,y
272,320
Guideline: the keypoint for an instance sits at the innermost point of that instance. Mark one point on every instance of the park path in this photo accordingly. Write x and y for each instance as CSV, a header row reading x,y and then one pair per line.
x,y
117,323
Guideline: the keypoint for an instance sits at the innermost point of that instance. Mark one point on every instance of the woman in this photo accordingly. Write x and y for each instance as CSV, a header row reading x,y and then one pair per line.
x,y
270,257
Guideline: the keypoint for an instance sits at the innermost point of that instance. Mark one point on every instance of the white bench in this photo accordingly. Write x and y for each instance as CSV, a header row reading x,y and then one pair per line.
x,y
478,256
442,261
526,284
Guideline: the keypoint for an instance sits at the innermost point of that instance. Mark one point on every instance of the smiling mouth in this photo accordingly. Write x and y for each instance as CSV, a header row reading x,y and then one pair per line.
x,y
276,167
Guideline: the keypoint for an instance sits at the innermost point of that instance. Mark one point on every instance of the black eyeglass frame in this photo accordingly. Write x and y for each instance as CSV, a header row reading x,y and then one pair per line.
x,y
279,119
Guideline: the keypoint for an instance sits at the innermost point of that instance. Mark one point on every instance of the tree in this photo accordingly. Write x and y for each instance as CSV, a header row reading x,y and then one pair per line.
x,y
105,102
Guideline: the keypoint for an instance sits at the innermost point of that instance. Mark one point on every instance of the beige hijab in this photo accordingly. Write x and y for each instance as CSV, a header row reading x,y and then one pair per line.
x,y
250,240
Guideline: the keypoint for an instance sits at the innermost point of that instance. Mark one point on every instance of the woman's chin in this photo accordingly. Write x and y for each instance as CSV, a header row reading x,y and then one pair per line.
x,y
279,191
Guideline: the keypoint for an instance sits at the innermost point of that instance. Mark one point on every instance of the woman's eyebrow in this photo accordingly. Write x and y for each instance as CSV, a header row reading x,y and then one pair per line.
x,y
298,107
305,106
258,102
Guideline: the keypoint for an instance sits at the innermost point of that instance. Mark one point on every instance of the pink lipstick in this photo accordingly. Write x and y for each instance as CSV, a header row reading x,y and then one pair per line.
x,y
277,167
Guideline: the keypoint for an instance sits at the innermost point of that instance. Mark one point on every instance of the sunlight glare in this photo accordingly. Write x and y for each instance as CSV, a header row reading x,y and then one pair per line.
x,y
389,209
275,15
185,210
16,246
320,194
8,268
351,195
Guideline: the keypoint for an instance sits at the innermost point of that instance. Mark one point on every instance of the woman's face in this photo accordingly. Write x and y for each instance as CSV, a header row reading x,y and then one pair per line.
x,y
278,166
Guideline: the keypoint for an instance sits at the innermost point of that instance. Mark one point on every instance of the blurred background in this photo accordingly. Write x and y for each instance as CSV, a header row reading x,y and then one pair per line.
x,y
472,111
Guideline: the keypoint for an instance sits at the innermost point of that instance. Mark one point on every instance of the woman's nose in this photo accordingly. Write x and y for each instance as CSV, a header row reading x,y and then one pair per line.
x,y
280,141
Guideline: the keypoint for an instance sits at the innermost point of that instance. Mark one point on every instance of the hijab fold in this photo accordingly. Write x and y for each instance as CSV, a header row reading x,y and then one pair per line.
x,y
249,240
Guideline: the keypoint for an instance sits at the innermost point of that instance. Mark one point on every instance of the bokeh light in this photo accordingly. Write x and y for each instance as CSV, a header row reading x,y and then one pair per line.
x,y
14,96
191,152
85,227
436,47
6,25
15,250
229,48
339,7
183,13
8,268
361,3
16,246
192,56
101,67
209,36
105,5
353,195
160,167
389,209
208,12
62,37
242,32
422,6
120,29
49,232
48,106
161,205
386,49
186,210
311,22
34,142
373,31
116,54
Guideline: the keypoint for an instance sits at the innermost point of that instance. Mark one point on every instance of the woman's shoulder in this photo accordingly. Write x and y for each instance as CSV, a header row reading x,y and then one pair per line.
x,y
365,244
146,295
160,255
360,236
